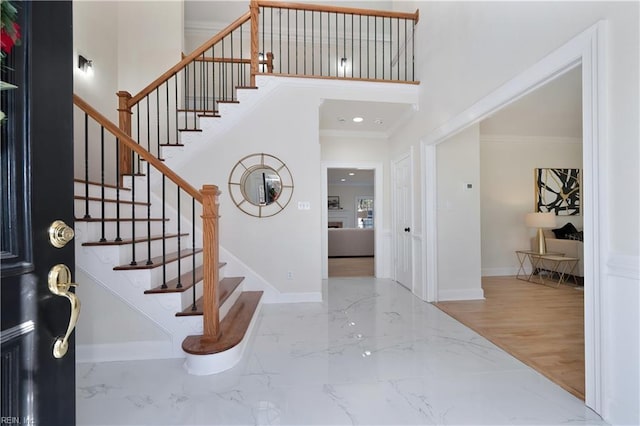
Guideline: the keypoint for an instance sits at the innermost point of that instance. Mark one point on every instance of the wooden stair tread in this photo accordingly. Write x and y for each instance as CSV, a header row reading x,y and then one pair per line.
x,y
212,111
247,87
106,185
227,287
122,219
110,200
171,144
232,328
186,280
228,102
130,241
158,260
189,130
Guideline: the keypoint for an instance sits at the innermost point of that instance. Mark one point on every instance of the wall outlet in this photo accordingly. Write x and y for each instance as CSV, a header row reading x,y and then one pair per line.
x,y
289,275
304,205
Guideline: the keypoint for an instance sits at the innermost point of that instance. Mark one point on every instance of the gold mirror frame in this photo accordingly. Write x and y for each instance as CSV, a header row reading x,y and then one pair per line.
x,y
243,169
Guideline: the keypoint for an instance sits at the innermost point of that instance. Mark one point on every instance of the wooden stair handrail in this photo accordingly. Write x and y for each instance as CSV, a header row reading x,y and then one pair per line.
x,y
134,146
189,58
338,9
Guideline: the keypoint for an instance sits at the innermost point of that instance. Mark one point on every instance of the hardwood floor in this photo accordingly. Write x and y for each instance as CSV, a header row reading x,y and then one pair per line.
x,y
542,326
351,266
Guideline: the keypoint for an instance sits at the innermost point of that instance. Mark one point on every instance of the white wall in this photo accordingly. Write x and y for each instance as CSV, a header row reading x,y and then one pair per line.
x,y
458,164
468,50
284,122
290,240
94,33
507,193
119,323
150,41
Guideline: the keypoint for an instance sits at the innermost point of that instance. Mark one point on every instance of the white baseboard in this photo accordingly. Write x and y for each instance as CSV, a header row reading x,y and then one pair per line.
x,y
470,294
254,281
126,351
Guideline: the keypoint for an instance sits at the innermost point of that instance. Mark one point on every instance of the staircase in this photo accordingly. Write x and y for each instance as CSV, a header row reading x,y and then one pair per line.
x,y
146,234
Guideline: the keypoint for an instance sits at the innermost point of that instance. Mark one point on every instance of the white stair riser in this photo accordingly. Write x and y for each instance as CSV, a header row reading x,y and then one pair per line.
x,y
170,269
94,230
187,296
226,306
96,191
142,249
110,209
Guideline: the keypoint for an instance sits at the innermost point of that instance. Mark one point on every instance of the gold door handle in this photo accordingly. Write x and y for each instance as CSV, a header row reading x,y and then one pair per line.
x,y
59,281
60,234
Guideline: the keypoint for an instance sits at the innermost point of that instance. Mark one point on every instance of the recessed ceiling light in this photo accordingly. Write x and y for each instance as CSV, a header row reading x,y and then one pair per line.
x,y
378,121
358,119
341,119
352,174
343,180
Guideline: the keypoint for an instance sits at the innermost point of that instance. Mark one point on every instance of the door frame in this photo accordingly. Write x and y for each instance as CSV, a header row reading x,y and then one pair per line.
x,y
379,259
394,219
587,49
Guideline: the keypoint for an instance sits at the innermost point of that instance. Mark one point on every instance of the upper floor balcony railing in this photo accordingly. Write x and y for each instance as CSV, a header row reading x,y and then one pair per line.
x,y
337,42
275,38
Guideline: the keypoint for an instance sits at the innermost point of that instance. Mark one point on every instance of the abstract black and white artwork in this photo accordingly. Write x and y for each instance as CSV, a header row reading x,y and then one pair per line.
x,y
558,191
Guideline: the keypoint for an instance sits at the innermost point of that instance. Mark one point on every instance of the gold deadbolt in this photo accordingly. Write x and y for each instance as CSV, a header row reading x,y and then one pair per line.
x,y
60,234
59,281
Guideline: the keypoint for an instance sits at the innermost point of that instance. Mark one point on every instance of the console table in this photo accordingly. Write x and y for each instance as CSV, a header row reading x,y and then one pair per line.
x,y
563,265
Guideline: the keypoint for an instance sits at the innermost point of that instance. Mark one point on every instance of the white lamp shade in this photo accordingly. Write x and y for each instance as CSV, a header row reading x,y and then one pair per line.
x,y
540,220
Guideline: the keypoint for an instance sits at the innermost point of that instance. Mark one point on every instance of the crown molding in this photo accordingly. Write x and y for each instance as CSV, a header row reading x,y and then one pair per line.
x,y
208,27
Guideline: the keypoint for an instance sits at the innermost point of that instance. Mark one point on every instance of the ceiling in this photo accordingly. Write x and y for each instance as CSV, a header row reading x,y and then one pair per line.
x,y
379,117
360,177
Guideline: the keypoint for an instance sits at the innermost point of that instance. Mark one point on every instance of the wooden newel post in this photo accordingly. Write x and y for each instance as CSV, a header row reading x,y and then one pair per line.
x,y
254,8
211,297
124,113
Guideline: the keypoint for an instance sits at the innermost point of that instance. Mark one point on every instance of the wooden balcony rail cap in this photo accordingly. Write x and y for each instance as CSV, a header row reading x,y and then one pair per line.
x,y
338,9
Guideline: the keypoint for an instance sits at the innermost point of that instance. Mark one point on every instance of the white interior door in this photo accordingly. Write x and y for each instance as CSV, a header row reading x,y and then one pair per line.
x,y
402,221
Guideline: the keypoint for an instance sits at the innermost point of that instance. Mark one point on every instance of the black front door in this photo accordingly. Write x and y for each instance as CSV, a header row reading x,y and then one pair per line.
x,y
38,385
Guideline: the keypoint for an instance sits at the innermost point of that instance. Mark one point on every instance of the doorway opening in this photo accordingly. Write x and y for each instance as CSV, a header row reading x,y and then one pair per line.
x,y
578,51
351,221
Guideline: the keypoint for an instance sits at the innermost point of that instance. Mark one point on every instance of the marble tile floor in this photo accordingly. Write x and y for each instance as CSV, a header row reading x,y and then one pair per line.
x,y
370,354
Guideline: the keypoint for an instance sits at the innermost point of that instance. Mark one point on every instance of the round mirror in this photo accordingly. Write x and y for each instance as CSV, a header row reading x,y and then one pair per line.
x,y
260,185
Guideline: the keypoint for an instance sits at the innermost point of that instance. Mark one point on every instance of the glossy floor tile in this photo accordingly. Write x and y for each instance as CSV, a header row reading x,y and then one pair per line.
x,y
370,354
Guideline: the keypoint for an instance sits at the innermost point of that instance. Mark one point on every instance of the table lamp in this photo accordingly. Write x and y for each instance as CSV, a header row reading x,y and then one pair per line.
x,y
541,221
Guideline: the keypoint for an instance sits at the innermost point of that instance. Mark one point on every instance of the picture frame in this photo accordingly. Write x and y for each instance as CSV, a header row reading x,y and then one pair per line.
x,y
558,191
333,202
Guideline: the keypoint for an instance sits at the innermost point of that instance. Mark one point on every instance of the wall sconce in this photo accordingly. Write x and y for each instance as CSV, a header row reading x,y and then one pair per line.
x,y
343,63
85,65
